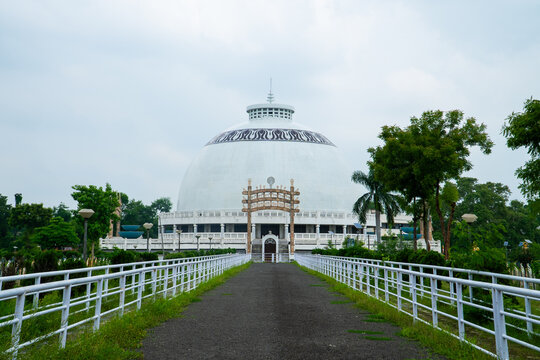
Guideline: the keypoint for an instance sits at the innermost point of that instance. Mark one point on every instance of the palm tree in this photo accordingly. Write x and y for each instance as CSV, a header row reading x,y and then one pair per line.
x,y
377,196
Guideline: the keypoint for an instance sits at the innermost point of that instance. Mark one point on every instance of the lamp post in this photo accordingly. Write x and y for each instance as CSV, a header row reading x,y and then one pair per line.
x,y
210,238
179,232
198,236
86,214
148,226
469,219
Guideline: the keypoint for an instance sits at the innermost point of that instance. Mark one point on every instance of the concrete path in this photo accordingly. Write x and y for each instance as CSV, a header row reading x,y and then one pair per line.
x,y
276,311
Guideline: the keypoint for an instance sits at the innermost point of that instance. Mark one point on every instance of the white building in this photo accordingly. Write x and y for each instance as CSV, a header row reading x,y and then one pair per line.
x,y
269,145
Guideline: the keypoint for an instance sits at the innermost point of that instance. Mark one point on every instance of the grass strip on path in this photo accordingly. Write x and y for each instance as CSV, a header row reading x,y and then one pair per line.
x,y
432,338
120,337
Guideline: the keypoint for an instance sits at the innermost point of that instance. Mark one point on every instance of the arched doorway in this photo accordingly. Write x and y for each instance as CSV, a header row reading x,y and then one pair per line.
x,y
269,248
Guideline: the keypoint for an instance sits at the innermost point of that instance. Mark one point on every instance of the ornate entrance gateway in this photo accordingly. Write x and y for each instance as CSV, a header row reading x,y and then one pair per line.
x,y
270,199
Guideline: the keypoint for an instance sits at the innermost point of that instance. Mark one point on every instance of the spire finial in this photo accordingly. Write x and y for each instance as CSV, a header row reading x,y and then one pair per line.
x,y
270,97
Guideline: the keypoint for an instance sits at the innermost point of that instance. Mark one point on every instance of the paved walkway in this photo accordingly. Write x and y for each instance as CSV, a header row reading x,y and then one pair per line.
x,y
276,311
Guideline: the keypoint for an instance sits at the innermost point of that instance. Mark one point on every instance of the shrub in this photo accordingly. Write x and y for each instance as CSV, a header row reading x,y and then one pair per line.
x,y
123,257
72,263
148,256
45,261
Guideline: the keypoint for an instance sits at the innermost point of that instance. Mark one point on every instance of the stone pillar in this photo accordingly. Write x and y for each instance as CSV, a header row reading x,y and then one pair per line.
x,y
287,232
318,231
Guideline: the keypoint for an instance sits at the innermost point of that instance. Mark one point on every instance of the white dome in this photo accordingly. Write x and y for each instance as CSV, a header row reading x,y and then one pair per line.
x,y
269,144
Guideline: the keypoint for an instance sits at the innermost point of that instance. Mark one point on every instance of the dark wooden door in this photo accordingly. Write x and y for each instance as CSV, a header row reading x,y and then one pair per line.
x,y
269,249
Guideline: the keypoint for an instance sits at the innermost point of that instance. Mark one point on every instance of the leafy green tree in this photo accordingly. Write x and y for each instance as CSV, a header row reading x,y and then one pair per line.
x,y
498,221
56,234
104,203
136,213
5,210
430,151
447,205
163,204
63,211
26,217
523,130
382,200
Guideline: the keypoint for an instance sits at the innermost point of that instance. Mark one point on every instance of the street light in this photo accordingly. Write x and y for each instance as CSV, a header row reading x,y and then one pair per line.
x,y
469,219
198,236
210,238
179,232
86,214
148,226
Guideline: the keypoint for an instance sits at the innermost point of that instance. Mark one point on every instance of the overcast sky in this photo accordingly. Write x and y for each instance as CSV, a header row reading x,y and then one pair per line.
x,y
128,92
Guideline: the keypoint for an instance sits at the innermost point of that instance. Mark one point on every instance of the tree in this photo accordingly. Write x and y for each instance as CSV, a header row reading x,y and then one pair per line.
x,y
163,204
136,213
56,234
104,203
448,200
497,220
63,211
431,150
5,210
18,199
27,217
523,130
377,196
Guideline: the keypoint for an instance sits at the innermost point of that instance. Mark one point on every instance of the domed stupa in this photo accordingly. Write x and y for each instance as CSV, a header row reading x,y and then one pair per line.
x,y
267,152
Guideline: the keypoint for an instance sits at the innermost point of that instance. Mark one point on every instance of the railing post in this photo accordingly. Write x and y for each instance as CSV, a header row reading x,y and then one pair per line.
x,y
461,324
88,291
386,295
434,314
414,297
106,285
528,309
36,295
140,288
451,286
182,276
133,280
122,294
376,282
165,282
16,329
174,277
399,285
66,297
499,325
470,277
99,298
154,281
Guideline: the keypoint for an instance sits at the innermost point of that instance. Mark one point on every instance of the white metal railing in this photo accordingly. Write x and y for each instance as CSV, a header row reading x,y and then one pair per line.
x,y
440,300
91,298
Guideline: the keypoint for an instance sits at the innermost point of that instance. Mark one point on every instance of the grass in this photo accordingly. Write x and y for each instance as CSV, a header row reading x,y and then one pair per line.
x,y
434,339
121,337
377,338
376,318
341,302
